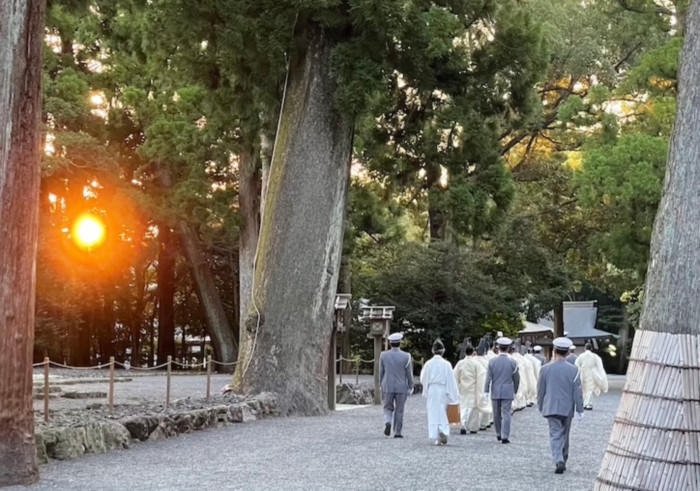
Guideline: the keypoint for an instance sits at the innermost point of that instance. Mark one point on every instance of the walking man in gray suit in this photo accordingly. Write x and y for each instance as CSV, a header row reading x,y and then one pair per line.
x,y
558,395
502,381
396,376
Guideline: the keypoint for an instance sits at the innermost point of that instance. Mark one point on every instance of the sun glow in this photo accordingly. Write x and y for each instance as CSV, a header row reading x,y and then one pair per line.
x,y
88,231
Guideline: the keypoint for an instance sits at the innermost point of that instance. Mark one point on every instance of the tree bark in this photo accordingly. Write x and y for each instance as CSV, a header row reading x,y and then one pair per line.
x,y
655,441
285,340
220,330
21,28
166,293
249,206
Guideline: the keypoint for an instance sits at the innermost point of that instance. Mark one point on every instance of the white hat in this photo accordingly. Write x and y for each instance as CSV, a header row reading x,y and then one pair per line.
x,y
504,341
537,348
572,347
396,337
562,343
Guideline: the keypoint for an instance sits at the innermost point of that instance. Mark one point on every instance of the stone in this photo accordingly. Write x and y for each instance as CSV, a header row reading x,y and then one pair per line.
x,y
70,443
138,427
235,414
352,394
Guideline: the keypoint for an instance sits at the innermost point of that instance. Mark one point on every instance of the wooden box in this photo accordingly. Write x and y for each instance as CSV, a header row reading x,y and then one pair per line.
x,y
453,414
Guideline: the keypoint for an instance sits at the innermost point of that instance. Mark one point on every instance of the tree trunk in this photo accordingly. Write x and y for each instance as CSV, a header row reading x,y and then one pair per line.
x,y
223,336
166,294
345,286
285,340
655,441
559,320
105,327
249,205
220,330
21,44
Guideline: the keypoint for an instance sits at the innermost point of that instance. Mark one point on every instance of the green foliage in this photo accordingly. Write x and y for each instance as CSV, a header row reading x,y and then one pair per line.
x,y
622,183
438,292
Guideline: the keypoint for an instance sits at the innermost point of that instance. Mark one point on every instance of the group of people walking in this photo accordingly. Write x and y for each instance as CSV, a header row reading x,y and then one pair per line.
x,y
490,384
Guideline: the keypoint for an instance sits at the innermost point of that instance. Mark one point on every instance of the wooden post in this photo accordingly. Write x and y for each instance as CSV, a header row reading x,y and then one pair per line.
x,y
357,372
167,387
331,373
111,383
46,388
208,376
377,353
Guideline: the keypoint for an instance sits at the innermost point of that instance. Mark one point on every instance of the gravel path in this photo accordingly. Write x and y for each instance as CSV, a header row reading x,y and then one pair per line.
x,y
345,450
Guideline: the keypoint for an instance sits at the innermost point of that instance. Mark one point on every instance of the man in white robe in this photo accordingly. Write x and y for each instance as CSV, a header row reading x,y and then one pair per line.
x,y
470,375
534,376
485,409
594,380
440,389
520,400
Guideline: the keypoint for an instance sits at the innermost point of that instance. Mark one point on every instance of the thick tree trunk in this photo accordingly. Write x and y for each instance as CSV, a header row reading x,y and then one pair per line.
x,y
166,294
249,206
21,28
655,442
105,328
222,334
285,341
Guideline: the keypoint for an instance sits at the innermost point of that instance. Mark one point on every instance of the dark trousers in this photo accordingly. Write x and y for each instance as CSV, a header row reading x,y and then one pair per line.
x,y
559,427
394,403
501,416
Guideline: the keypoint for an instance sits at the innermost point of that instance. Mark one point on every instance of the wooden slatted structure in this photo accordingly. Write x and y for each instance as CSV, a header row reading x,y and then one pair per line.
x,y
655,441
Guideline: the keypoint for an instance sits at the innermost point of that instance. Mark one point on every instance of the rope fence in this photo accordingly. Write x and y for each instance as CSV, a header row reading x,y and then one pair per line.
x,y
207,364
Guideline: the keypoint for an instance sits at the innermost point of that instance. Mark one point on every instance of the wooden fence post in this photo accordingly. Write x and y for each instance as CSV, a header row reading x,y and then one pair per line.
x,y
208,376
46,388
111,383
167,387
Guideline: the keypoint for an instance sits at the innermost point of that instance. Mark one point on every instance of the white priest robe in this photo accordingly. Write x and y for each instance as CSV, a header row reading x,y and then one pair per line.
x,y
470,374
594,380
440,389
520,400
534,375
486,408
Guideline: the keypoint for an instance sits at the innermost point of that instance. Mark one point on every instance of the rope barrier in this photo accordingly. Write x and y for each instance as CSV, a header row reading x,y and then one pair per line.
x,y
61,365
354,360
229,364
40,364
188,365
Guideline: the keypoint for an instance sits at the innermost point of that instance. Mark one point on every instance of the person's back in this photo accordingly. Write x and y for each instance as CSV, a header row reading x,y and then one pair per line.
x,y
395,368
556,395
500,374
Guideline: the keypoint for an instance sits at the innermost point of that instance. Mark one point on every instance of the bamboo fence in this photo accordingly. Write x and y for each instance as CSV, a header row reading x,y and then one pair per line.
x,y
655,440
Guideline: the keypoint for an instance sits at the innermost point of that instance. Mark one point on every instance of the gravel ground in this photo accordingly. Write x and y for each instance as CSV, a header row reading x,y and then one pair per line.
x,y
345,450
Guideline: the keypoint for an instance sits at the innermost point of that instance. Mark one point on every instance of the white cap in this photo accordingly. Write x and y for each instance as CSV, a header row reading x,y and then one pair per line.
x,y
537,348
562,343
572,348
504,341
396,337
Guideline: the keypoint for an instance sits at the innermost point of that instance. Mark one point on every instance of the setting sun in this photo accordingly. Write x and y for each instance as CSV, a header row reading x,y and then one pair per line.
x,y
88,231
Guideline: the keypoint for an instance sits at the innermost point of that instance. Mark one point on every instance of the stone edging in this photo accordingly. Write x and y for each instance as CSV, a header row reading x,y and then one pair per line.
x,y
103,435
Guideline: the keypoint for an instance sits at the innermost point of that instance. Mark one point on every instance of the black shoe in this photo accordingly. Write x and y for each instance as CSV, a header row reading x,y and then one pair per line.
x,y
462,431
473,432
387,429
442,438
505,440
498,438
398,436
588,408
560,468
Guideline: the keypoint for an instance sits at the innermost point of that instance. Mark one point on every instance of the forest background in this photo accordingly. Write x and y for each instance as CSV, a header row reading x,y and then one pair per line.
x,y
494,175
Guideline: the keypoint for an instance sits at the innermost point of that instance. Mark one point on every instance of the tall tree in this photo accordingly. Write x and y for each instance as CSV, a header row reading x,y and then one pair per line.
x,y
655,442
21,28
